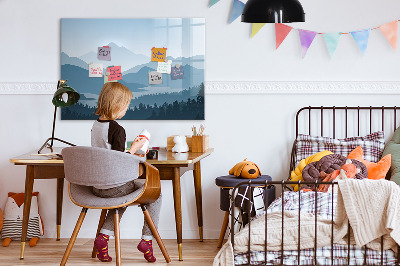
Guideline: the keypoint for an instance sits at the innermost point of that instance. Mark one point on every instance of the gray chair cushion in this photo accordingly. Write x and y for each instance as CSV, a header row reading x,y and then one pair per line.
x,y
84,196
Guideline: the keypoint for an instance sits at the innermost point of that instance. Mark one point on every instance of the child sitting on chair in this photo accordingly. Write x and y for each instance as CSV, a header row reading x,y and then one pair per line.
x,y
114,100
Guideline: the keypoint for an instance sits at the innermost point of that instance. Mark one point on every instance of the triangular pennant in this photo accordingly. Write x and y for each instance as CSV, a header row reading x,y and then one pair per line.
x,y
332,41
306,39
256,27
281,31
361,37
213,2
389,30
237,9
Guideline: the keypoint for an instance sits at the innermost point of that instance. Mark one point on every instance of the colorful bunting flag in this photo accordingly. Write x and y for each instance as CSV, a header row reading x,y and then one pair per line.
x,y
332,41
237,9
389,30
361,37
256,27
306,39
281,31
213,2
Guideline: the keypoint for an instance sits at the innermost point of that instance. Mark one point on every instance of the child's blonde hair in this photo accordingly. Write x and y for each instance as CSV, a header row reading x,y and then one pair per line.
x,y
112,99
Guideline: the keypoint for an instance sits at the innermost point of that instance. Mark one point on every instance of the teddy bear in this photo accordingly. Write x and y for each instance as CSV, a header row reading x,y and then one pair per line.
x,y
245,169
180,144
13,215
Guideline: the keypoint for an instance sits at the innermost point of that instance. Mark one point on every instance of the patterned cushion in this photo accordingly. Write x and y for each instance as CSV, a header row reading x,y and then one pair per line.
x,y
84,196
13,228
372,144
393,148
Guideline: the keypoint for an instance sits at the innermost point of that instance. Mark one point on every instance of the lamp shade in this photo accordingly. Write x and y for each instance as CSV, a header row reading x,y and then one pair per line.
x,y
65,96
273,11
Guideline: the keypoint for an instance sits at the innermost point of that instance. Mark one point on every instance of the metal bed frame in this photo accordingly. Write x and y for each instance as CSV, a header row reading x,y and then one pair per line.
x,y
283,184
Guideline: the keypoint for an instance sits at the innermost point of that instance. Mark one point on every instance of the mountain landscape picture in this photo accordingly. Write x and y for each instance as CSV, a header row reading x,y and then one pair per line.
x,y
160,60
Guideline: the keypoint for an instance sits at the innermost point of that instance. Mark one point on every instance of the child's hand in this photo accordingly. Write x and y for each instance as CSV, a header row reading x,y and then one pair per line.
x,y
137,144
143,155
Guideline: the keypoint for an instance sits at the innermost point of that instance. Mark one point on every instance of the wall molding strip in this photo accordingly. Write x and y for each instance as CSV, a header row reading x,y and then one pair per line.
x,y
303,87
28,88
248,87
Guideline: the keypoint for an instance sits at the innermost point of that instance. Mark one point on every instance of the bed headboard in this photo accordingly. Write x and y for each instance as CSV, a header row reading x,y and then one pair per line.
x,y
347,115
344,121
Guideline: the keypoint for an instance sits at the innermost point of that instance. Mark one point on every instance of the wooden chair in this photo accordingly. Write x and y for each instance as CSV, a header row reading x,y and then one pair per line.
x,y
85,167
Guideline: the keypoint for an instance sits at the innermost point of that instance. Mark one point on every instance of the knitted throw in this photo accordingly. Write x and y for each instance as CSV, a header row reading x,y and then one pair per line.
x,y
373,209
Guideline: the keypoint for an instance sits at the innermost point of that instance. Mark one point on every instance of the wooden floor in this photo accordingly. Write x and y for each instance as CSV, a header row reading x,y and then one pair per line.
x,y
50,252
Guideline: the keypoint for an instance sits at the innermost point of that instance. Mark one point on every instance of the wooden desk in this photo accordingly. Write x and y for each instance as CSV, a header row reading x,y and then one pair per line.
x,y
169,165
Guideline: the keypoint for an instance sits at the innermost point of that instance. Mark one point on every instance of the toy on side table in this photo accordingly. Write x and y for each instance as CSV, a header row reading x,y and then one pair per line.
x,y
13,215
245,169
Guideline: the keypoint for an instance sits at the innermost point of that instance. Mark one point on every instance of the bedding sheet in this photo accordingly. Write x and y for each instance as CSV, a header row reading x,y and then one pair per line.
x,y
340,254
320,204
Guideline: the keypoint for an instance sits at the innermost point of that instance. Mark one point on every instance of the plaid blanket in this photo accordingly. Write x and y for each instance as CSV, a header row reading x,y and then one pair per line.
x,y
324,257
245,205
323,205
250,201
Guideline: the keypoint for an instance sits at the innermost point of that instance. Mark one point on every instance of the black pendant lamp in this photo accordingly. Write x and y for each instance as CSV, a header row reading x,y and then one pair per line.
x,y
273,11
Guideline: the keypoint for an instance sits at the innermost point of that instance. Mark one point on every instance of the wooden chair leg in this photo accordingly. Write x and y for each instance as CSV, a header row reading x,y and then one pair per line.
x,y
101,222
154,230
223,229
117,238
73,237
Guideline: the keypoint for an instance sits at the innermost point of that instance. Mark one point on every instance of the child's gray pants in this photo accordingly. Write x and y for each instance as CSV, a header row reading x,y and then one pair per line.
x,y
154,208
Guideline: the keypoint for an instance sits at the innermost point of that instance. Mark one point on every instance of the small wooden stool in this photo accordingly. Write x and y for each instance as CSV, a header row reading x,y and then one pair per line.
x,y
228,182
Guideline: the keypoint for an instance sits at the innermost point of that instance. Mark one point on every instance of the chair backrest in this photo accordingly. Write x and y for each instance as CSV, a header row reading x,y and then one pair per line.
x,y
92,166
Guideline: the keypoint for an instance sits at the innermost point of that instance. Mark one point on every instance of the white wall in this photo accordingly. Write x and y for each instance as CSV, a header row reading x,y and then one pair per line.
x,y
259,127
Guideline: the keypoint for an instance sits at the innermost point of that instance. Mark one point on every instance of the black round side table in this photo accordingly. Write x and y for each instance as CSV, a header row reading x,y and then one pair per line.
x,y
228,182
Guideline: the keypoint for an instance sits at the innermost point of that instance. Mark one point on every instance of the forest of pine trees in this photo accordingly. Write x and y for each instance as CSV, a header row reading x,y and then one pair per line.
x,y
192,108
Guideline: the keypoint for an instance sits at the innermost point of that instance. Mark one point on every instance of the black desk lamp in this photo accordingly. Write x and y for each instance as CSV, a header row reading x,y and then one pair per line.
x,y
273,11
63,97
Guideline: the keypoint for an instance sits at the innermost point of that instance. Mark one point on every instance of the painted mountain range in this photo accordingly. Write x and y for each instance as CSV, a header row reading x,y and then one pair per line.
x,y
181,99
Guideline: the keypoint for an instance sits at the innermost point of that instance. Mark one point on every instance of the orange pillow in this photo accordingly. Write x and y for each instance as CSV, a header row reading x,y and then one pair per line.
x,y
375,170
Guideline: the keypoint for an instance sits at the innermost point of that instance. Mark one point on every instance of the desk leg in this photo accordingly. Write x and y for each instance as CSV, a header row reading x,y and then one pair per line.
x,y
199,204
27,206
176,182
60,190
